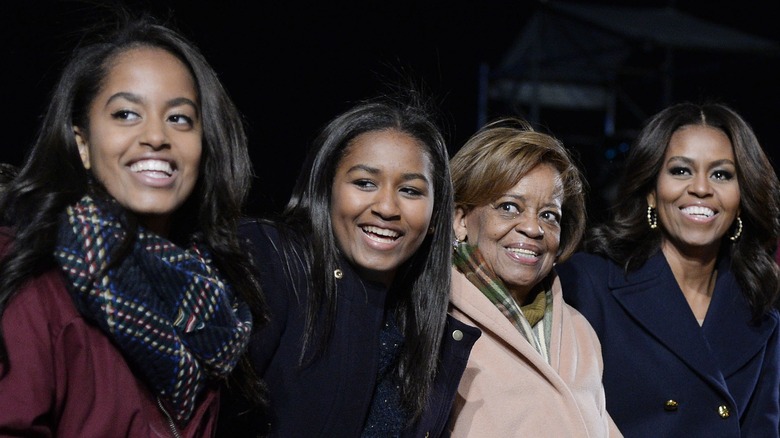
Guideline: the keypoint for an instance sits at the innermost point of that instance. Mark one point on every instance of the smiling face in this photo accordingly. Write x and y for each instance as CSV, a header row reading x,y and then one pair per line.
x,y
143,143
519,233
382,202
697,193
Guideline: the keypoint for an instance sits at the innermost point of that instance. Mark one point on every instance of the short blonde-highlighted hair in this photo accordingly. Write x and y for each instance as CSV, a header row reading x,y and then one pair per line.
x,y
500,154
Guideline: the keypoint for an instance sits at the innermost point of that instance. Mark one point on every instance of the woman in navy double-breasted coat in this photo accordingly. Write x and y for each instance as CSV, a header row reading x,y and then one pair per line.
x,y
663,374
680,284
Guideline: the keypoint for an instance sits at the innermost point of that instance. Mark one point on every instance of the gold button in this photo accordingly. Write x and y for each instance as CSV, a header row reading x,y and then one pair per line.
x,y
338,274
671,405
457,335
723,411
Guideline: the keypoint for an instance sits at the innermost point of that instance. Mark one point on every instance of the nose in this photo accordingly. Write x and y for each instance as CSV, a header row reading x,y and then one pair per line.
x,y
154,133
528,223
700,185
386,204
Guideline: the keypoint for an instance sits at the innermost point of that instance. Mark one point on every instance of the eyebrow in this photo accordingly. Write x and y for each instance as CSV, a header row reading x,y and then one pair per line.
x,y
134,98
548,204
374,171
690,162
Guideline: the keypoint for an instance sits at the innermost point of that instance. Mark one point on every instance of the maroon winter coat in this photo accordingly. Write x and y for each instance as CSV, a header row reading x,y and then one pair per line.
x,y
67,379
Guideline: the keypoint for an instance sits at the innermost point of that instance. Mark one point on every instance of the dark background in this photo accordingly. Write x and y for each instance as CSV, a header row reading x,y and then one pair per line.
x,y
291,66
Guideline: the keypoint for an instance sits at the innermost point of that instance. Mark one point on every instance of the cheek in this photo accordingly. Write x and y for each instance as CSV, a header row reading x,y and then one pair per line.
x,y
482,230
735,199
425,215
99,160
553,240
417,214
495,230
338,205
665,191
343,209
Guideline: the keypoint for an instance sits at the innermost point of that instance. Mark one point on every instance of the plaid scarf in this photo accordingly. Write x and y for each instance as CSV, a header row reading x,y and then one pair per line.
x,y
167,308
469,262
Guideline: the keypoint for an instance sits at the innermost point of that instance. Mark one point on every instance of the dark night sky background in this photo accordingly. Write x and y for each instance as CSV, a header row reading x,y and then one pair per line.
x,y
291,66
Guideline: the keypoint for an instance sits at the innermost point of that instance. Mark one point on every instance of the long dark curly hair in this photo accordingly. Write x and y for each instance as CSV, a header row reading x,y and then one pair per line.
x,y
626,237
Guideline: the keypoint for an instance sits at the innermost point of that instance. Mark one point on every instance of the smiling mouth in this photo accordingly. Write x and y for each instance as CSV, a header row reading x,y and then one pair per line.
x,y
153,168
380,234
523,252
698,211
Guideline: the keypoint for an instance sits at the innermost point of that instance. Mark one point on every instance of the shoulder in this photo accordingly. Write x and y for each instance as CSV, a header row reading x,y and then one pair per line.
x,y
258,233
583,270
269,239
459,334
570,314
42,301
583,261
51,349
585,284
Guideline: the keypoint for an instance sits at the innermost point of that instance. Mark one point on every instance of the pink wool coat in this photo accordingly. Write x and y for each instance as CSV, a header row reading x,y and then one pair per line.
x,y
508,390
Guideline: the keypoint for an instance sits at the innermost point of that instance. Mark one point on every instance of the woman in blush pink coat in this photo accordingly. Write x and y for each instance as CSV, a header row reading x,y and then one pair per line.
x,y
509,390
536,370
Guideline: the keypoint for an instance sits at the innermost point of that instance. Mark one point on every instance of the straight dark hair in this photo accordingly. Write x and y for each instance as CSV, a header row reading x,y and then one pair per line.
x,y
53,176
422,285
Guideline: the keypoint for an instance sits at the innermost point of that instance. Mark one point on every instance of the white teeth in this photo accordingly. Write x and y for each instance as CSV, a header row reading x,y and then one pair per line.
x,y
523,252
698,211
152,166
384,232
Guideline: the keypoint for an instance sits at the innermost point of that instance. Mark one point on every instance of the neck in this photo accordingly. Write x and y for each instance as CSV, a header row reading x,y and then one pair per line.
x,y
695,275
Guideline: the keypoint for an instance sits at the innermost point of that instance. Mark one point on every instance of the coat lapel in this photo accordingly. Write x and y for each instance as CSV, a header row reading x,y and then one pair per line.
x,y
472,304
727,329
651,296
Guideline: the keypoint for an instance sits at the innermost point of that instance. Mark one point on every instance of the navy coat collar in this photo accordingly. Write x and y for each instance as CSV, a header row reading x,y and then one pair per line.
x,y
721,346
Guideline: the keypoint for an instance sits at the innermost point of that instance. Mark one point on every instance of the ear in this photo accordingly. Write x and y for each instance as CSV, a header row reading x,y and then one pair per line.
x,y
459,224
81,142
651,199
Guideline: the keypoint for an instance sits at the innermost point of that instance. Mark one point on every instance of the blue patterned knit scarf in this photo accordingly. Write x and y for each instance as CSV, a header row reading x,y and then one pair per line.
x,y
167,308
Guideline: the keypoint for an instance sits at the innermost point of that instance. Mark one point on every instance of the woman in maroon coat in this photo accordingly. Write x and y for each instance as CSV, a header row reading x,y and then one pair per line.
x,y
123,290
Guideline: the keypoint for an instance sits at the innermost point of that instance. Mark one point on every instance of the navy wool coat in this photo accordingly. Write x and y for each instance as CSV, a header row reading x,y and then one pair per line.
x,y
331,397
666,376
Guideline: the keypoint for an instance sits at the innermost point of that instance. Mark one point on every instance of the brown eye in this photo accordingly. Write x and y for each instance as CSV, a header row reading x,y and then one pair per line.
x,y
181,119
722,175
679,170
125,115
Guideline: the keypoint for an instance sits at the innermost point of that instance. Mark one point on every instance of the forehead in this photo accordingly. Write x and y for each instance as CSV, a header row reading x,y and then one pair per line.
x,y
387,148
542,182
700,142
150,69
